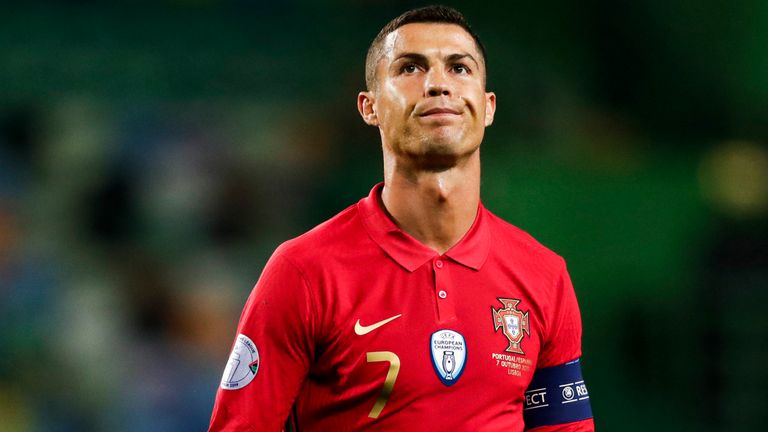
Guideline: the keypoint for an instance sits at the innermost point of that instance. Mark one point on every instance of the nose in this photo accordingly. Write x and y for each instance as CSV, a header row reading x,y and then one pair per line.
x,y
437,83
438,91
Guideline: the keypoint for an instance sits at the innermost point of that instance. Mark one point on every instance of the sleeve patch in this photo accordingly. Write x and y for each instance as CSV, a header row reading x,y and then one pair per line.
x,y
556,395
242,365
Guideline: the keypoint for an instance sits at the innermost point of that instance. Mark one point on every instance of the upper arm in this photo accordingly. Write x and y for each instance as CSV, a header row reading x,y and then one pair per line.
x,y
260,383
557,398
563,339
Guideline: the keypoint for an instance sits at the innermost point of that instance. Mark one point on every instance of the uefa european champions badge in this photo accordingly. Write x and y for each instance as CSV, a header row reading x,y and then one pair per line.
x,y
242,365
449,355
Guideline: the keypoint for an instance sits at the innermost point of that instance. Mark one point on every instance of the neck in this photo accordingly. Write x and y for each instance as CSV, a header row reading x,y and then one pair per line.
x,y
435,207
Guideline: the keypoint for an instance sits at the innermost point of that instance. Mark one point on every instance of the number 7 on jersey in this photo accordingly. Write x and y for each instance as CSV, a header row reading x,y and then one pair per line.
x,y
389,381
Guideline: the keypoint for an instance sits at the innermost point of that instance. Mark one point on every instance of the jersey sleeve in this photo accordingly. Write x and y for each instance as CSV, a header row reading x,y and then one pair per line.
x,y
271,354
563,339
557,399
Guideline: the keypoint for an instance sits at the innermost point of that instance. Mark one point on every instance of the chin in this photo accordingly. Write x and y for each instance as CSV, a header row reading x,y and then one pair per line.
x,y
439,155
443,141
447,144
437,149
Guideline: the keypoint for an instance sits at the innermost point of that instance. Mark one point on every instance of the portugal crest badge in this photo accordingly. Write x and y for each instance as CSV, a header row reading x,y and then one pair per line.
x,y
513,323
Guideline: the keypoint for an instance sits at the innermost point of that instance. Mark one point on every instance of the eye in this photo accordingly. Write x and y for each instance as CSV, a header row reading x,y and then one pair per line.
x,y
460,68
409,68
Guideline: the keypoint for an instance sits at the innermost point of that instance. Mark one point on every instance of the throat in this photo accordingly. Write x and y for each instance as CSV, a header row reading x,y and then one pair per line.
x,y
436,210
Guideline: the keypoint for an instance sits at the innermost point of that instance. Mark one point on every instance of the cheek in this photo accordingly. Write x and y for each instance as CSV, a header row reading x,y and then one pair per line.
x,y
393,108
478,99
397,97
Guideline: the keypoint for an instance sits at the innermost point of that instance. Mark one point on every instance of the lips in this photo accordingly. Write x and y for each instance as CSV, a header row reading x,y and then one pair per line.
x,y
439,111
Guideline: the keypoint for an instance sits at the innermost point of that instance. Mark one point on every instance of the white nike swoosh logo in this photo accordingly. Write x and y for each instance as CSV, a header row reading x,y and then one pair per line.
x,y
363,330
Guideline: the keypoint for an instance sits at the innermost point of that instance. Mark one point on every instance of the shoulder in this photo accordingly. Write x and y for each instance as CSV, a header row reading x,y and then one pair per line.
x,y
517,245
329,238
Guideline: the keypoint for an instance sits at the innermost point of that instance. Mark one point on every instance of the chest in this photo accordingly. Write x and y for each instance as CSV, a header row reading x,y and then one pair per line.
x,y
396,339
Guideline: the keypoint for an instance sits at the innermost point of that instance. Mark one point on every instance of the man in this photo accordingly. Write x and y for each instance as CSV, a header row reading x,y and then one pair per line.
x,y
416,306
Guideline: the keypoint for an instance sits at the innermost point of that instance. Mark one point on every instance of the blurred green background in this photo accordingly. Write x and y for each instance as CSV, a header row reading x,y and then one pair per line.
x,y
153,154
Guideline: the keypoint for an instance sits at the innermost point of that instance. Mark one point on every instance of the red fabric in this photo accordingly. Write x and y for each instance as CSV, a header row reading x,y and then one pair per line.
x,y
302,313
587,425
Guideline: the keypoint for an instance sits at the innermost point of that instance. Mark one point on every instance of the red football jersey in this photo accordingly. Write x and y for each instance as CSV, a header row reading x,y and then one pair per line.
x,y
356,325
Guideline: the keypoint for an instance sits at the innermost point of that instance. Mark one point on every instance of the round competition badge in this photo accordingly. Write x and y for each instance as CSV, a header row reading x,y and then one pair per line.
x,y
449,355
242,365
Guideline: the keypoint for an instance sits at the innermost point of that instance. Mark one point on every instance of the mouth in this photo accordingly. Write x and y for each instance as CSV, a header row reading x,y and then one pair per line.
x,y
440,111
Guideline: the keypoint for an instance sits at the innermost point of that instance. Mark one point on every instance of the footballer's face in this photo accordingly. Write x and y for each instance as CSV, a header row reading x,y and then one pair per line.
x,y
429,100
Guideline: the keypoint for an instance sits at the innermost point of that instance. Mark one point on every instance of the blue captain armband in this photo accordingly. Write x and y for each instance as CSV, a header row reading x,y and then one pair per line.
x,y
556,395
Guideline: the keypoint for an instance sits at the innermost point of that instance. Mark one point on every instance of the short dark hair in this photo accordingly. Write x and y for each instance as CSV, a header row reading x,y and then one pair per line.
x,y
437,14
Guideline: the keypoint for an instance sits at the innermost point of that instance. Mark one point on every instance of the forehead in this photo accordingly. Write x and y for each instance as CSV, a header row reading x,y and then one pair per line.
x,y
429,39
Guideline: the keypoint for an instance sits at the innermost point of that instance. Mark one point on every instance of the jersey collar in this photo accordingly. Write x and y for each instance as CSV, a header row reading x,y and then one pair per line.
x,y
471,251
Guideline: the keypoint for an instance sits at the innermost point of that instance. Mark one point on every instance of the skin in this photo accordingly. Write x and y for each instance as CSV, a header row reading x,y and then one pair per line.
x,y
431,109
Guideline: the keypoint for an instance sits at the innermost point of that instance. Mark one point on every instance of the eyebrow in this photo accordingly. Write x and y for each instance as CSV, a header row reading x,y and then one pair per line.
x,y
412,56
457,57
422,58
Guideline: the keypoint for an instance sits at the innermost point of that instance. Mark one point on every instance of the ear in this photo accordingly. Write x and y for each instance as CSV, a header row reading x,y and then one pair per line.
x,y
365,102
490,107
